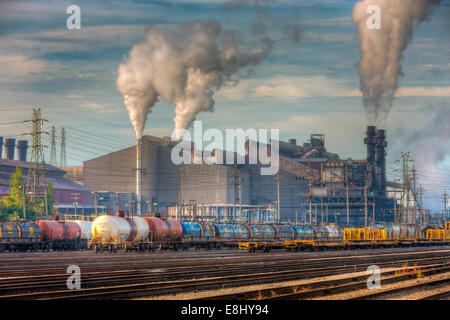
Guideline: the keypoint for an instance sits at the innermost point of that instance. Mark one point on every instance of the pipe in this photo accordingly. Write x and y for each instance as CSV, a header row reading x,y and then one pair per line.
x,y
1,147
138,177
22,148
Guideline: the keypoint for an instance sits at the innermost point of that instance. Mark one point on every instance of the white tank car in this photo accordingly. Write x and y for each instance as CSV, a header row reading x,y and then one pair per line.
x,y
86,229
142,229
117,229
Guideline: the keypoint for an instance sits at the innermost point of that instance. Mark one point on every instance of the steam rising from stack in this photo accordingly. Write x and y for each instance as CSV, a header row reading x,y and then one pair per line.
x,y
185,67
382,50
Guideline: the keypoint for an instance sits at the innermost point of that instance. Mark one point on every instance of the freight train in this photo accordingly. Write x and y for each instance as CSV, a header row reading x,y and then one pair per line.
x,y
45,235
147,233
111,233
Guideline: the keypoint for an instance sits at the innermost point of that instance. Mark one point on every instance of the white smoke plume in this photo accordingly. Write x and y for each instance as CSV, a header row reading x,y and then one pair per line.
x,y
382,49
185,67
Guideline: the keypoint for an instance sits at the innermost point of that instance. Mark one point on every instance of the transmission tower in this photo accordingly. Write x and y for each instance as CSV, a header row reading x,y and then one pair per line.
x,y
36,184
63,160
53,147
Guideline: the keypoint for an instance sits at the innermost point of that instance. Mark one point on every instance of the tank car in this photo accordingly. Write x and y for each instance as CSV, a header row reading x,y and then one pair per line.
x,y
158,229
86,232
113,232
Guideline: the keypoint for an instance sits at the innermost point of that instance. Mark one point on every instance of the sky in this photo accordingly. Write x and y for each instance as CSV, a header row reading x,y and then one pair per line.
x,y
308,83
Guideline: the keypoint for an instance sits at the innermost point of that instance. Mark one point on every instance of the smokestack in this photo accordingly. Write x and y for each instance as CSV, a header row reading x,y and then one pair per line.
x,y
22,148
381,163
9,148
1,147
370,142
138,177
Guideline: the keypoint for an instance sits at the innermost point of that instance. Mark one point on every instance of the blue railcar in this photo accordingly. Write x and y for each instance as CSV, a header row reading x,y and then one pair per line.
x,y
224,230
284,231
208,230
240,232
191,230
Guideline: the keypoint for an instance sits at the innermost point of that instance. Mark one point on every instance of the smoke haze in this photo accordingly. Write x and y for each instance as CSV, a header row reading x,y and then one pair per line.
x,y
185,67
382,49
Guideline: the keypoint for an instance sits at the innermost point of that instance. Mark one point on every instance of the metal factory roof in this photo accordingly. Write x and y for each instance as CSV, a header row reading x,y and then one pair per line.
x,y
53,175
27,164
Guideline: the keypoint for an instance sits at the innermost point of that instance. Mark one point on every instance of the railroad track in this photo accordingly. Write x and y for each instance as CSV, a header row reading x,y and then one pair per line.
x,y
29,269
117,285
323,288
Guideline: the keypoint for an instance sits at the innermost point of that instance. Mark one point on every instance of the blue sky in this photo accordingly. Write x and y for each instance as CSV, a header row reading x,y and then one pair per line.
x,y
304,87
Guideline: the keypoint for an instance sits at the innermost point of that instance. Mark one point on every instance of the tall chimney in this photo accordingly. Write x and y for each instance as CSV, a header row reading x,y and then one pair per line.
x,y
138,177
9,148
22,148
370,142
1,147
381,163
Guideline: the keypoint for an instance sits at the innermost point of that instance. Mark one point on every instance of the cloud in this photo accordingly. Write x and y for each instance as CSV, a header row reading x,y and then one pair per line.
x,y
416,92
17,68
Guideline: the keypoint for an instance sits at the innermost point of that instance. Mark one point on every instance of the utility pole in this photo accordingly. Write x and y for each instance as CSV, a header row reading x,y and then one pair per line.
x,y
365,205
36,183
53,147
278,178
310,200
63,160
406,187
414,193
445,200
422,219
346,188
95,203
236,182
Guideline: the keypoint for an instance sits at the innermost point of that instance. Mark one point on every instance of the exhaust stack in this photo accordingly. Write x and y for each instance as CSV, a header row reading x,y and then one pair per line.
x,y
138,177
381,145
370,141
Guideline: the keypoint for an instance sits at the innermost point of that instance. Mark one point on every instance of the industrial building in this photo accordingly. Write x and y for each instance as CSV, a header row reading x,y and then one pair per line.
x,y
312,185
116,172
69,196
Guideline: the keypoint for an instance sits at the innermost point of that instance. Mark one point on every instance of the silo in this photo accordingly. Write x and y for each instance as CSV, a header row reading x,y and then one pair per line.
x,y
22,147
9,148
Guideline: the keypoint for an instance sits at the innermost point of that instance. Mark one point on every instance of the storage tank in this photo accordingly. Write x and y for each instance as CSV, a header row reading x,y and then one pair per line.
x,y
158,229
9,148
85,228
175,229
267,232
111,229
51,230
72,230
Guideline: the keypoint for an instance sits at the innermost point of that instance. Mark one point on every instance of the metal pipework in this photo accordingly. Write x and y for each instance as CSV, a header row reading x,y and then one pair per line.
x,y
1,147
138,177
22,147
9,148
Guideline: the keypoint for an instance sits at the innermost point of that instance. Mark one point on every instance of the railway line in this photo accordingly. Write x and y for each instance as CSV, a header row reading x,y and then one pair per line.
x,y
347,284
118,279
